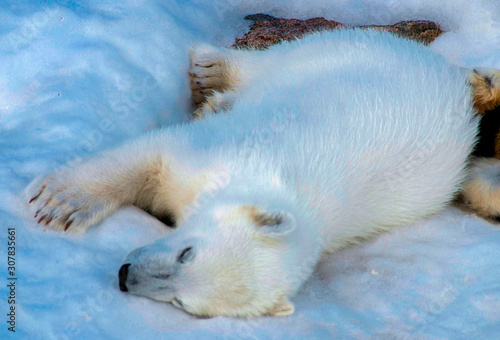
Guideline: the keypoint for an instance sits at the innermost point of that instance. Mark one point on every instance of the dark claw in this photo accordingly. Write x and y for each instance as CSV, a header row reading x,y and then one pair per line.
x,y
48,220
65,218
36,214
37,195
488,81
41,219
68,224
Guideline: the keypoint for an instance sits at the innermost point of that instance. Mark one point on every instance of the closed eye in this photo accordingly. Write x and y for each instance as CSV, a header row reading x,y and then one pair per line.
x,y
162,276
178,303
186,255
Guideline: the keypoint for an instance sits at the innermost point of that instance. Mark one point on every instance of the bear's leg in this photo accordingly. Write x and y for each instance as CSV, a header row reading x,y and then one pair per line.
x,y
481,189
214,75
485,89
82,194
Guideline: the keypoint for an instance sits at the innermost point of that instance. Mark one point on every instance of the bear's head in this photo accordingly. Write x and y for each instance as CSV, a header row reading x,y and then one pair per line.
x,y
225,260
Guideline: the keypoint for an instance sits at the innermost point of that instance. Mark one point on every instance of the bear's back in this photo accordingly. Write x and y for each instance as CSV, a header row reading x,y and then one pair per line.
x,y
347,86
365,123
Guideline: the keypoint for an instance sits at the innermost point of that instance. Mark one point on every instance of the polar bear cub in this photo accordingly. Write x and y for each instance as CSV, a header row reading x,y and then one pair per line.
x,y
320,143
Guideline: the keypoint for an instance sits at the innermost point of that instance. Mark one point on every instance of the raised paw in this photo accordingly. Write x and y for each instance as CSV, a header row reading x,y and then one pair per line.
x,y
210,71
485,88
59,202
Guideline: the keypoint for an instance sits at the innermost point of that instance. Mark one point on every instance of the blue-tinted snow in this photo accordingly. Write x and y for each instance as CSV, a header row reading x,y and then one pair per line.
x,y
79,77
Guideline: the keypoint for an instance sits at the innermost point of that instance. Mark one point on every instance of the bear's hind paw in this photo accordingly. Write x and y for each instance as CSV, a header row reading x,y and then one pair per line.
x,y
210,72
485,88
481,190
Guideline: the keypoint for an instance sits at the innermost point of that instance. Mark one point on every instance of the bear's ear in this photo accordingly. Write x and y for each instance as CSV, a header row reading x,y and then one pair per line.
x,y
272,224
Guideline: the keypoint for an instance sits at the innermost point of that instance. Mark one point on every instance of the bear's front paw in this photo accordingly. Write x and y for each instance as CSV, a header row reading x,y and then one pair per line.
x,y
61,203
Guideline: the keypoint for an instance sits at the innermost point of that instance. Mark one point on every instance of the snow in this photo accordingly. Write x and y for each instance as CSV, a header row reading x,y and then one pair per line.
x,y
80,77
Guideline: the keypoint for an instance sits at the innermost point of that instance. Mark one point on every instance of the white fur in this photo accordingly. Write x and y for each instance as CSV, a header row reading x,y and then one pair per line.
x,y
329,140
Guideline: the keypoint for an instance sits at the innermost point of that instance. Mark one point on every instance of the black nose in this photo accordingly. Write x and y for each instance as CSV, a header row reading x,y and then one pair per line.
x,y
122,276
